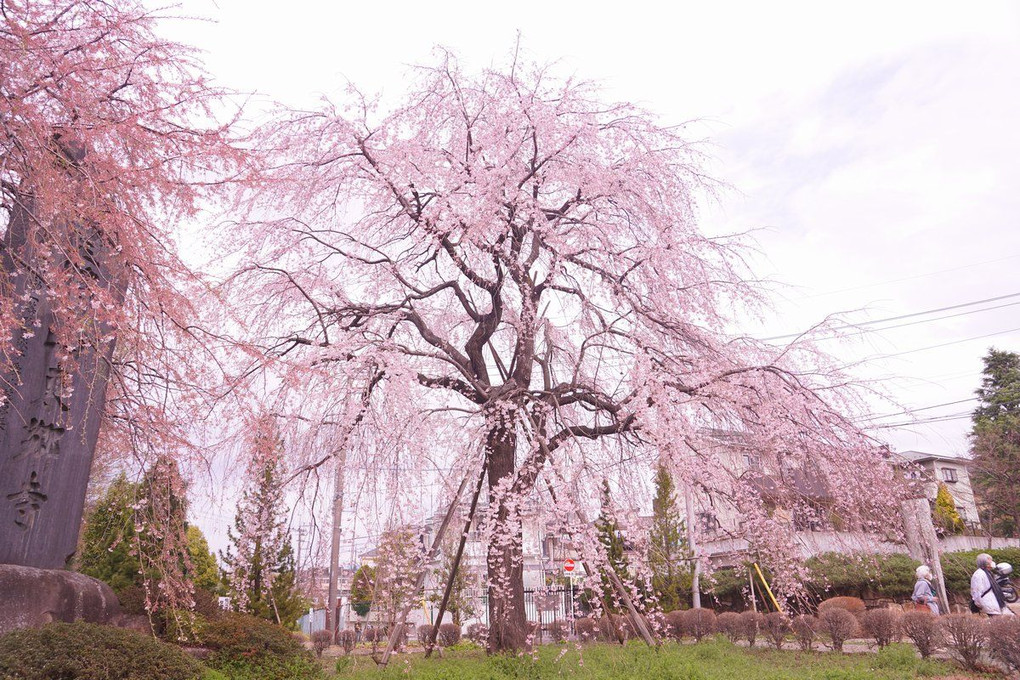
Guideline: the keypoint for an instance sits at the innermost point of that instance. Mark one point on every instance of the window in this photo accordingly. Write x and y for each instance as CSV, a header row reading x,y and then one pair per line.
x,y
949,474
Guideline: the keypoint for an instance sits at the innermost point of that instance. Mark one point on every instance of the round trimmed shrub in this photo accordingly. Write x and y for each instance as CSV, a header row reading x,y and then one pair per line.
x,y
244,646
728,624
839,624
424,631
347,639
777,625
674,624
882,625
1004,641
87,651
965,636
805,629
449,635
320,641
699,623
923,630
750,625
587,629
854,605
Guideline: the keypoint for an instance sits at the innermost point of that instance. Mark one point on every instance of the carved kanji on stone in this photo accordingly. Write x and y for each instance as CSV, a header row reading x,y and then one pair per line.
x,y
27,502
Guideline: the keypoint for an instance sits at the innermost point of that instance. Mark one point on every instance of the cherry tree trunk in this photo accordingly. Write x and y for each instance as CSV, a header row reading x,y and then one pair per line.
x,y
508,626
52,409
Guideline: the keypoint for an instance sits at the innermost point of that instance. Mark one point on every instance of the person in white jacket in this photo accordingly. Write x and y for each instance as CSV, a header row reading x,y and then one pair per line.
x,y
984,591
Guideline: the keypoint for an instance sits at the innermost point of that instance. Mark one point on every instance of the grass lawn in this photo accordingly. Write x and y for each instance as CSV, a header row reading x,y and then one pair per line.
x,y
708,660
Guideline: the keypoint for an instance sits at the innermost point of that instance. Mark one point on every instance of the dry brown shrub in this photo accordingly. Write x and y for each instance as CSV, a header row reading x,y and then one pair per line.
x,y
728,624
965,636
587,629
320,641
750,626
854,605
1004,641
882,625
674,624
699,623
805,629
449,635
776,626
839,624
923,630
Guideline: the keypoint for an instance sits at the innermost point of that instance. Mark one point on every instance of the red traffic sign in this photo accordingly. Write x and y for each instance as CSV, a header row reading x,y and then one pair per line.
x,y
568,566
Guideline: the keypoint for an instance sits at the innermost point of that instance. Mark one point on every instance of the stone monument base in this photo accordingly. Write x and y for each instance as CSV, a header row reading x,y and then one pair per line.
x,y
31,597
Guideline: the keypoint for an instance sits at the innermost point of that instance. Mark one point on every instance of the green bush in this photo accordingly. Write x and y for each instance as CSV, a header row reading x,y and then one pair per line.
x,y
86,651
834,573
245,646
957,567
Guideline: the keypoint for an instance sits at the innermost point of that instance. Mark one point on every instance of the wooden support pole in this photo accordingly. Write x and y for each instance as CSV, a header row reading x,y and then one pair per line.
x,y
398,624
430,643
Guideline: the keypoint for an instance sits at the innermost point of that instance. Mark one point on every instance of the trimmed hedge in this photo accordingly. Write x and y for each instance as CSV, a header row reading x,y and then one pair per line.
x,y
87,651
246,646
957,567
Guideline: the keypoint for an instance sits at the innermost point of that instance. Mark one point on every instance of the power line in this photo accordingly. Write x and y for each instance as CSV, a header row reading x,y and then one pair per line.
x,y
912,278
907,412
944,344
904,316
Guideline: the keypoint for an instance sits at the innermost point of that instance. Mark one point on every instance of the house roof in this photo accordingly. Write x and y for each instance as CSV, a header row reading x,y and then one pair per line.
x,y
924,457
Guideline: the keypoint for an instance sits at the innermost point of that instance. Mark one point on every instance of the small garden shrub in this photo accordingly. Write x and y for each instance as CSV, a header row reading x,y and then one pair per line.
x,y
320,641
964,636
728,624
923,630
559,631
805,630
449,635
587,629
86,651
750,625
478,633
882,625
699,623
246,646
613,626
839,625
1004,641
347,640
424,631
854,605
674,624
776,625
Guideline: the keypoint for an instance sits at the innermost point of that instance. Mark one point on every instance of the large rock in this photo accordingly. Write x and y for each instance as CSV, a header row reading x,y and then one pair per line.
x,y
31,597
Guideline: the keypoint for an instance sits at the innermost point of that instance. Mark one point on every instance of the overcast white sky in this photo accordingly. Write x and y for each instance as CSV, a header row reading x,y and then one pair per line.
x,y
875,144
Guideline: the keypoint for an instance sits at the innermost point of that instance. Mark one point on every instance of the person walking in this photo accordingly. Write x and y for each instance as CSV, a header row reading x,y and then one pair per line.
x,y
924,593
985,592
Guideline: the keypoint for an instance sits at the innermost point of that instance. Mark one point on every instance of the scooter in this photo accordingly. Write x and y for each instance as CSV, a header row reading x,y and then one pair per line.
x,y
1003,570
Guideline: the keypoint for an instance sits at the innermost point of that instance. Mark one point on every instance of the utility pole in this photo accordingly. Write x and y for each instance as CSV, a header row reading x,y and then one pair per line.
x,y
334,548
297,569
696,576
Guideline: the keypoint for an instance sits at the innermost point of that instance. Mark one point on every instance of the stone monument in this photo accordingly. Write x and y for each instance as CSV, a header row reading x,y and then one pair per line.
x,y
50,416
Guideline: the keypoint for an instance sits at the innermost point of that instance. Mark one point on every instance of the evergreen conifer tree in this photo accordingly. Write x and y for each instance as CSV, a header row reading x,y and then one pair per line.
x,y
668,556
259,561
995,442
611,539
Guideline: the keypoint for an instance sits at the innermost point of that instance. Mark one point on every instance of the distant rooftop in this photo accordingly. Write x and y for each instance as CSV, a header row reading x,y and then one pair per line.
x,y
923,456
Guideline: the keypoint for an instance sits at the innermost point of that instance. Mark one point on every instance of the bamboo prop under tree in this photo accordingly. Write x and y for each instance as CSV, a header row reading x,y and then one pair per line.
x,y
430,642
639,623
398,623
